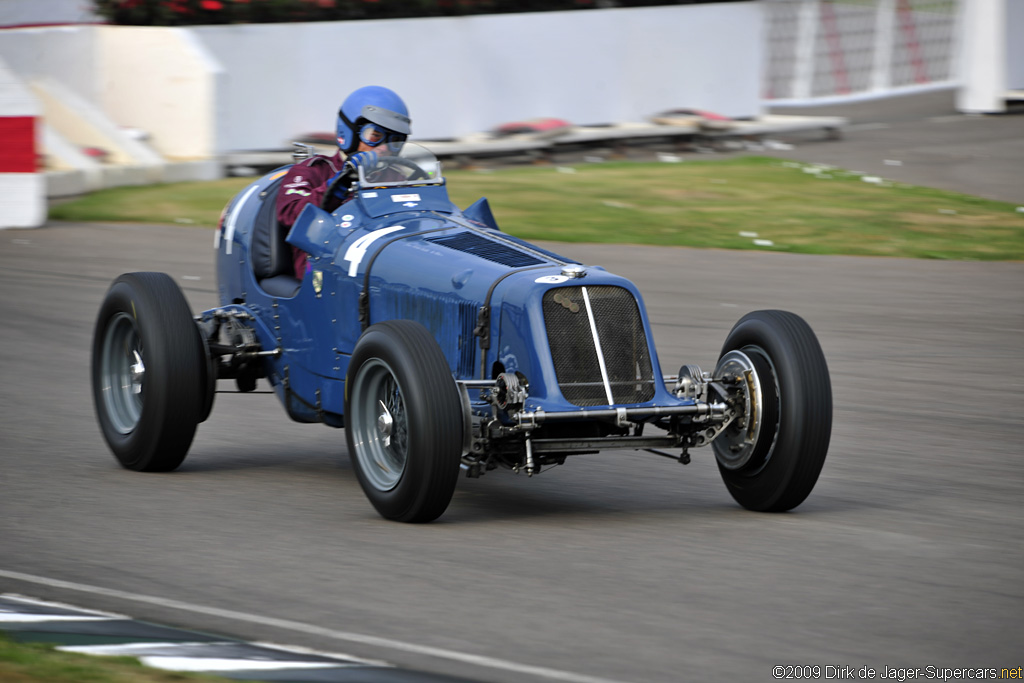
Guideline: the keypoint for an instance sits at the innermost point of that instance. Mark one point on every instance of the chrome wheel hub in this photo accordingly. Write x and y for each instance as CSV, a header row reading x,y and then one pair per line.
x,y
734,447
379,424
385,423
138,373
123,373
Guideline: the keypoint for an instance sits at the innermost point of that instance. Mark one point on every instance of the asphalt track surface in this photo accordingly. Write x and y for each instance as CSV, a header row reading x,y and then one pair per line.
x,y
923,140
614,567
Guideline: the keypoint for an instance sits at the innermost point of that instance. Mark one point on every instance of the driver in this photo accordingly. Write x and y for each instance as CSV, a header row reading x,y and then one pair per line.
x,y
370,116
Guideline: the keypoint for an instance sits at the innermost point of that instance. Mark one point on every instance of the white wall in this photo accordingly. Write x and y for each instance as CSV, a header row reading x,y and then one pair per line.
x,y
31,12
66,53
983,61
1015,44
163,81
214,89
469,74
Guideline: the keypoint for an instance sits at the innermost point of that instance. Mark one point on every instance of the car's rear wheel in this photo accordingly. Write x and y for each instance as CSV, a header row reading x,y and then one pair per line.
x,y
770,458
149,372
403,421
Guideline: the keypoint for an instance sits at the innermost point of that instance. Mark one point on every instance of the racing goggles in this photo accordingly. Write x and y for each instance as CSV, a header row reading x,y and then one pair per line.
x,y
373,134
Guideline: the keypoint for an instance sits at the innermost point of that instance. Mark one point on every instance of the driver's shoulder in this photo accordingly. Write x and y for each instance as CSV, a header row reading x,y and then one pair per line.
x,y
333,164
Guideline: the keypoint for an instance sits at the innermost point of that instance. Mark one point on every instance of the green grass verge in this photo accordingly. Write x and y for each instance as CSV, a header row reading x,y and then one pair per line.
x,y
39,663
798,208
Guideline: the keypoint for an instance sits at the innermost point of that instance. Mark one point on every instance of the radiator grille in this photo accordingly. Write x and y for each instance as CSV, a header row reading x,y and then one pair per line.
x,y
622,341
491,250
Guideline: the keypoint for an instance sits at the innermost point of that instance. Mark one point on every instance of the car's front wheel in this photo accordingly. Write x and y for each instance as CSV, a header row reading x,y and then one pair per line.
x,y
403,421
770,457
149,372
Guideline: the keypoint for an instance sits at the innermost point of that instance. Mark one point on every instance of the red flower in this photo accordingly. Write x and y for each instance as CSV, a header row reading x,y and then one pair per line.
x,y
211,4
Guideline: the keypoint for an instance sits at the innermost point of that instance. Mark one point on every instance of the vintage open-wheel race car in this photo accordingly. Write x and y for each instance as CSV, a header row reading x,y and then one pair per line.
x,y
443,345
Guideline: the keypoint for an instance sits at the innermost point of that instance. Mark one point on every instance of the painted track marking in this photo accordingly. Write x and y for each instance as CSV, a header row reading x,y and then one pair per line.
x,y
299,627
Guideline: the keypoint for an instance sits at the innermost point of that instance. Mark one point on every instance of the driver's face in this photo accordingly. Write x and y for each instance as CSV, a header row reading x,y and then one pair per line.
x,y
386,149
363,147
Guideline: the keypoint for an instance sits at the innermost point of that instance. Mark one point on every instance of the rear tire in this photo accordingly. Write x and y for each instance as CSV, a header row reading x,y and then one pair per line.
x,y
149,372
403,421
795,422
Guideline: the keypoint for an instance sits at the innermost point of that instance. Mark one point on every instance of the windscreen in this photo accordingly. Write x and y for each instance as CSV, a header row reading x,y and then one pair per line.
x,y
402,164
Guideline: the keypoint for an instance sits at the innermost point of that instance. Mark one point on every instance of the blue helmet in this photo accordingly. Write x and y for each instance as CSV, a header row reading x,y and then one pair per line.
x,y
370,104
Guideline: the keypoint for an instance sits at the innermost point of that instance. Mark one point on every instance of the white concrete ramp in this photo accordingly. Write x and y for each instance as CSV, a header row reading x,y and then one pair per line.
x,y
73,124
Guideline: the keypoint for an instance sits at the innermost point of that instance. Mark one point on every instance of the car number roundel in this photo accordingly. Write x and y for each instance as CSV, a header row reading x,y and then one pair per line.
x,y
357,250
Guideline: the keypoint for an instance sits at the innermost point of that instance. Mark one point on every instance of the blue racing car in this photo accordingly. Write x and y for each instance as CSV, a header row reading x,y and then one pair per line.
x,y
443,345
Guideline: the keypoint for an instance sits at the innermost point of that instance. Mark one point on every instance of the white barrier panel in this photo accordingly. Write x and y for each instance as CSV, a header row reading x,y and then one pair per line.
x,y
22,189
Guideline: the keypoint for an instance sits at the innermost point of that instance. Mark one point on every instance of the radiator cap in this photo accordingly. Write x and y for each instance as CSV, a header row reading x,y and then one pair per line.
x,y
574,271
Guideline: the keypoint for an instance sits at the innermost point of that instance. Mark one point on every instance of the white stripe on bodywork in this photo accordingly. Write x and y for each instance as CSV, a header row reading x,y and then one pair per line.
x,y
597,346
229,224
357,250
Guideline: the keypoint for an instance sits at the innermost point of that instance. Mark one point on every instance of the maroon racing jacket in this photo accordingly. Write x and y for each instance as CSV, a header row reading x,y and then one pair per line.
x,y
306,183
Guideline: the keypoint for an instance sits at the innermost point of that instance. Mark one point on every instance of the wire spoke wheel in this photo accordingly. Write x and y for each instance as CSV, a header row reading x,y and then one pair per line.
x,y
123,373
771,457
380,425
403,421
150,372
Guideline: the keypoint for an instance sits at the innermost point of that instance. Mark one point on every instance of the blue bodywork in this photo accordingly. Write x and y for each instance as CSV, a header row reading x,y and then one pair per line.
x,y
405,252
444,346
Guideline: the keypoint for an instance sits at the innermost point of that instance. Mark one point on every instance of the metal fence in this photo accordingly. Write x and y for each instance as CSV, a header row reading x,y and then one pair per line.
x,y
818,50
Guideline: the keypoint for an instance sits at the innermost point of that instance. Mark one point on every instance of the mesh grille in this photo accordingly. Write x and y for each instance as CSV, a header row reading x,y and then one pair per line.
x,y
497,252
622,338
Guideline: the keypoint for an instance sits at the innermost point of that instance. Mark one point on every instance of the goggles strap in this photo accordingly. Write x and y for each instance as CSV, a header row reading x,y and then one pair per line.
x,y
352,127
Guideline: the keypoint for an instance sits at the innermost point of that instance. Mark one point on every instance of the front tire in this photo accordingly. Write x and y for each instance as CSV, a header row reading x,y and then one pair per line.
x,y
149,372
771,458
403,421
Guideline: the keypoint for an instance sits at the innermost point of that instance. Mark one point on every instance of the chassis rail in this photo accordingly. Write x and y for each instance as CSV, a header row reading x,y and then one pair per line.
x,y
620,415
602,443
